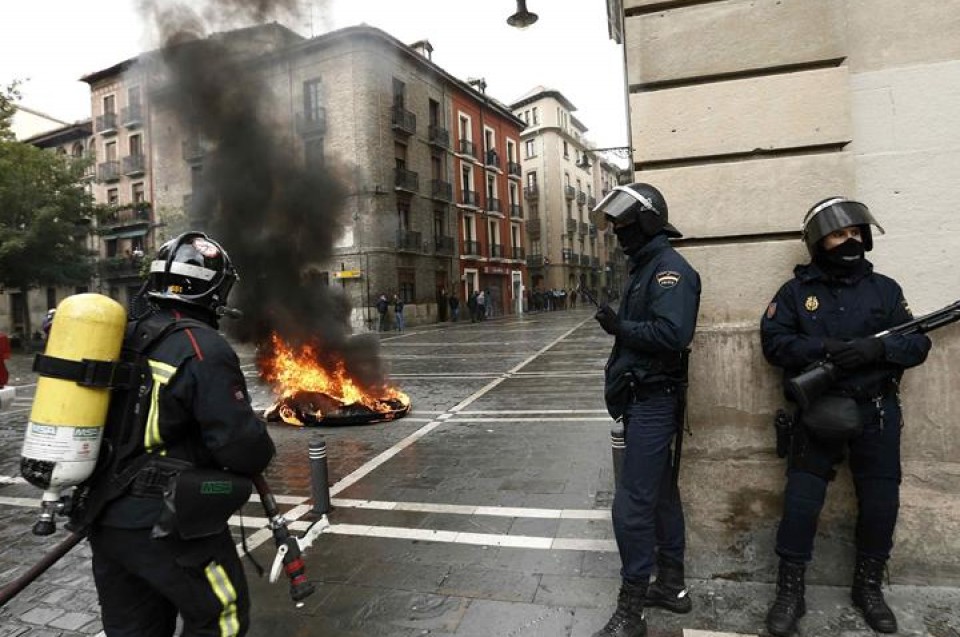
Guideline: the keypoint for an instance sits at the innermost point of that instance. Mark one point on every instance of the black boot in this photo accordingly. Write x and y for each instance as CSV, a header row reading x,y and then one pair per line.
x,y
789,606
627,620
868,597
668,590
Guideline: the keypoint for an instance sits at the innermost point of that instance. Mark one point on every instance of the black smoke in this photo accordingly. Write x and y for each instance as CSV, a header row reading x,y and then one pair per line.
x,y
274,217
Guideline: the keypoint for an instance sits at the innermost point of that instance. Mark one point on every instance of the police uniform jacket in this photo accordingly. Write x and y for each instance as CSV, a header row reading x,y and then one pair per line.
x,y
813,307
658,316
199,411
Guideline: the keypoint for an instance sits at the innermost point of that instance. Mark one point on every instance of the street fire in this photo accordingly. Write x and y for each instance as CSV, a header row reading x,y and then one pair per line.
x,y
311,391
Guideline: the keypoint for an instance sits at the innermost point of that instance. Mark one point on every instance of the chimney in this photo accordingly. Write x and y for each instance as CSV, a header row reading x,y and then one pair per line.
x,y
424,48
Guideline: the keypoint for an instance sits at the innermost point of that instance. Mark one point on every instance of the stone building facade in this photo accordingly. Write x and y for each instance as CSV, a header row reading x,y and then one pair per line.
x,y
745,113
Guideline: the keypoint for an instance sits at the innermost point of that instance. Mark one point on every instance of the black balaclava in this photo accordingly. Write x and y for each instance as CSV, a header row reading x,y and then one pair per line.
x,y
632,238
843,260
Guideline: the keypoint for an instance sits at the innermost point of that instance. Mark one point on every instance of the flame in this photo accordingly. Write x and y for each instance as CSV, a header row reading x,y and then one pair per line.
x,y
291,371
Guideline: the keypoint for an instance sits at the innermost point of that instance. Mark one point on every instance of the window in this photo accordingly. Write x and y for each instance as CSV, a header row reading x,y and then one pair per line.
x,y
466,131
113,196
136,193
400,155
436,167
536,116
399,93
109,104
136,145
111,247
403,214
512,190
491,188
532,179
489,140
466,176
313,99
493,236
526,117
511,151
111,151
469,231
515,240
77,150
406,279
530,148
435,117
439,222
566,150
313,152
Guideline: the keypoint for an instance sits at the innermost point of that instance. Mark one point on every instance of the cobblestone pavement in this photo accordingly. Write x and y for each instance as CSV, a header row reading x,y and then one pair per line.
x,y
483,513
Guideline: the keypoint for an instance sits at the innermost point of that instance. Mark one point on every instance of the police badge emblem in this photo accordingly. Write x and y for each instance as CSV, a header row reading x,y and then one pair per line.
x,y
812,303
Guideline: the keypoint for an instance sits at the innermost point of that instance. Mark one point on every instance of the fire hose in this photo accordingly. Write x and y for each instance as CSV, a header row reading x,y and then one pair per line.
x,y
289,556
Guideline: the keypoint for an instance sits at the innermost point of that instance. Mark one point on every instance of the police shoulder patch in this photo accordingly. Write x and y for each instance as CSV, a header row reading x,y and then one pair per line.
x,y
668,278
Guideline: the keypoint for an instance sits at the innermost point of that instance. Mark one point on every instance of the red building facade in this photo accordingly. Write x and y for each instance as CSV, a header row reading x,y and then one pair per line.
x,y
488,197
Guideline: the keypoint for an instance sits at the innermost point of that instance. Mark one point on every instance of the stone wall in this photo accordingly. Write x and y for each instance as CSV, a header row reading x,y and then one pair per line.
x,y
746,112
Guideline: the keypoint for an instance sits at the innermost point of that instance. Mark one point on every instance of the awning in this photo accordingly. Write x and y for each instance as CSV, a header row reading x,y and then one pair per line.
x,y
126,234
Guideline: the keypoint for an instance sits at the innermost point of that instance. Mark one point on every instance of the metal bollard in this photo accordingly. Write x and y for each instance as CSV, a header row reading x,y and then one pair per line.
x,y
318,476
617,445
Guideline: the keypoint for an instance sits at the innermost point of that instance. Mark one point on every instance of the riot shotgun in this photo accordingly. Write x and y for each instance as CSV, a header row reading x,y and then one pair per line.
x,y
808,385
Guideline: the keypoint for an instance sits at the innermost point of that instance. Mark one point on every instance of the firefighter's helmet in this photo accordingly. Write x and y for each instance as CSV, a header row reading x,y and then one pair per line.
x,y
192,268
833,214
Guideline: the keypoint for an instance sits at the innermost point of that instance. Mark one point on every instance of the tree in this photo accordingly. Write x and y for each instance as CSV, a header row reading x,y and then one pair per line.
x,y
44,210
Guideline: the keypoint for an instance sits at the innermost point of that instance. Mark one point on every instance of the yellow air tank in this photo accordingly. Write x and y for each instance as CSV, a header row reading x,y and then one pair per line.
x,y
62,440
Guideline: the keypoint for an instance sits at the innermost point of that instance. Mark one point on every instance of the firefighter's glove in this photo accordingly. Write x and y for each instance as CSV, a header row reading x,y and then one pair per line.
x,y
857,353
608,320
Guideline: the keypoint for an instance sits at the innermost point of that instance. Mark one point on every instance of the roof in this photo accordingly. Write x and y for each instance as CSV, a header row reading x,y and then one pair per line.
x,y
541,92
68,133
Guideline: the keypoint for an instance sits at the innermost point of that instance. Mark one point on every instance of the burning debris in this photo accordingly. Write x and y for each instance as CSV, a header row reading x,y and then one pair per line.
x,y
314,389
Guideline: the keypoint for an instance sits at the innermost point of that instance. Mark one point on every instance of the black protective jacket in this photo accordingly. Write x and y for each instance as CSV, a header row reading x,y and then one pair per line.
x,y
199,411
658,316
812,307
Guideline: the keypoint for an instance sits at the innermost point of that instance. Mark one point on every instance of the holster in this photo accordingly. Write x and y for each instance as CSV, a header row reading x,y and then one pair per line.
x,y
198,502
832,417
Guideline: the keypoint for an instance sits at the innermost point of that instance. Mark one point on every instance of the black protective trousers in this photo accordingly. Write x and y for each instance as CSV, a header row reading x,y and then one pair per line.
x,y
143,584
875,467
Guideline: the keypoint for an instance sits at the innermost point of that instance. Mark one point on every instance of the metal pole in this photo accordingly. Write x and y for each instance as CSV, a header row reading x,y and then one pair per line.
x,y
617,446
318,476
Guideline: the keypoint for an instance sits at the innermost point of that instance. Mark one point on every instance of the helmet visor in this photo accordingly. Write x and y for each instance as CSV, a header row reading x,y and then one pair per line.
x,y
623,204
833,215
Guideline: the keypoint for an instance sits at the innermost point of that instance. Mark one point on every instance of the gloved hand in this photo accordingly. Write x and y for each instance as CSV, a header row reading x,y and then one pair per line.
x,y
608,320
856,353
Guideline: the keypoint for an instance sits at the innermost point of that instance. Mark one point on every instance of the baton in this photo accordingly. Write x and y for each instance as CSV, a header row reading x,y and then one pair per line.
x,y
589,296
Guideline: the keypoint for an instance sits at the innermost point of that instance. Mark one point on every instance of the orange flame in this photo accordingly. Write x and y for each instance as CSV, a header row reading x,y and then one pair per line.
x,y
290,371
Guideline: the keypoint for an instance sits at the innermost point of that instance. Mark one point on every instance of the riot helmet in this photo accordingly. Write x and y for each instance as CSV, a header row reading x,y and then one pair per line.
x,y
835,213
192,268
637,202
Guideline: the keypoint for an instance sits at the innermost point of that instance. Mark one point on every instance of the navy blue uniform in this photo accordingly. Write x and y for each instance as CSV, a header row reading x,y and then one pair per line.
x,y
658,316
199,412
807,310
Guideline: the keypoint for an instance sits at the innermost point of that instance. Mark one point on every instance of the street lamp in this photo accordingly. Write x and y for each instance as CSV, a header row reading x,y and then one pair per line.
x,y
522,18
621,151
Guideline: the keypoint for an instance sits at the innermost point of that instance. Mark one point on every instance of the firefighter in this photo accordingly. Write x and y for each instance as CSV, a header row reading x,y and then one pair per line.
x,y
828,311
197,415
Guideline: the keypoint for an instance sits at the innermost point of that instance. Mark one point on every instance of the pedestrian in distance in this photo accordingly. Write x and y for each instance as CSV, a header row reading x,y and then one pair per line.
x,y
454,307
472,306
47,322
481,305
190,416
828,311
382,306
398,312
645,386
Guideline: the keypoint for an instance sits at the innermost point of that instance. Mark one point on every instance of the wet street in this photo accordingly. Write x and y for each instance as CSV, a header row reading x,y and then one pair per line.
x,y
484,512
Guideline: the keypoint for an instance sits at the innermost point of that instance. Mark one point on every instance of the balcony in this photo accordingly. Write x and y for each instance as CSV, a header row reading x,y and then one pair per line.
x,y
531,192
438,136
120,267
444,245
108,171
442,190
518,253
106,123
193,150
581,197
493,204
313,122
535,261
496,251
132,116
133,165
492,159
402,120
407,180
513,169
582,228
533,231
469,198
471,248
569,192
516,211
409,241
591,202
137,214
571,226
467,148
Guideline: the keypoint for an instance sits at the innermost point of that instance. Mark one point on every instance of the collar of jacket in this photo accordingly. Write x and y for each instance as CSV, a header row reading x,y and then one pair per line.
x,y
656,245
807,272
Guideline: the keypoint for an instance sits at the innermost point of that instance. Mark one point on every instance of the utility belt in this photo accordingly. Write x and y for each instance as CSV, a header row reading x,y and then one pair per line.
x,y
639,393
197,502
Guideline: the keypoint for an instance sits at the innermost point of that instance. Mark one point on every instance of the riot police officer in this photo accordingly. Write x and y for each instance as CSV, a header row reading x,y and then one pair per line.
x,y
195,413
828,311
645,383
